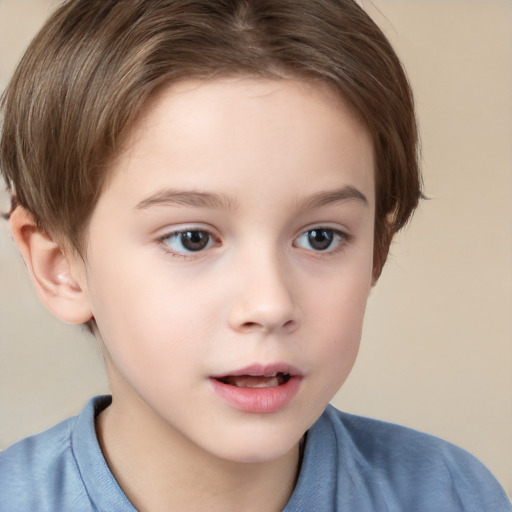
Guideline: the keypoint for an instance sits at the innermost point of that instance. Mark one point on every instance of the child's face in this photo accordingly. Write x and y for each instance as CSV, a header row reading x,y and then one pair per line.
x,y
234,238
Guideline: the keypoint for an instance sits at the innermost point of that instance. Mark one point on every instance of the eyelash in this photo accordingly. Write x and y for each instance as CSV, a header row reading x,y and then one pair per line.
x,y
176,235
342,238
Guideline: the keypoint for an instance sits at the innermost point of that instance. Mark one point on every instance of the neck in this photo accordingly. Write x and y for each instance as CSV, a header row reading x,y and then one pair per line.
x,y
159,469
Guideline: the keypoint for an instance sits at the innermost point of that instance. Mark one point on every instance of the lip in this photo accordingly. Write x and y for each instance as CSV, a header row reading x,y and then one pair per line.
x,y
261,369
258,400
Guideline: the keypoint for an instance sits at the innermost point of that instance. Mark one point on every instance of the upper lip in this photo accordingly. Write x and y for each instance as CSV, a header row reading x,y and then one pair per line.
x,y
258,370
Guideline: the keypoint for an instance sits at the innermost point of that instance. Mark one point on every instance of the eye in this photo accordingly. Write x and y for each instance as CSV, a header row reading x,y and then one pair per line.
x,y
188,241
321,239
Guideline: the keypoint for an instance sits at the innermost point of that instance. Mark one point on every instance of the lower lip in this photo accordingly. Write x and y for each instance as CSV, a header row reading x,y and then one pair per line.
x,y
258,400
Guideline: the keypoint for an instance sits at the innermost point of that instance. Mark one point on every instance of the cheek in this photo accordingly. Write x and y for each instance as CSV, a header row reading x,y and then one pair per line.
x,y
148,320
338,301
337,318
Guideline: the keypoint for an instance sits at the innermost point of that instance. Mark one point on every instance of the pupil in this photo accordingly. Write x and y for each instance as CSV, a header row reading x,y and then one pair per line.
x,y
320,239
194,240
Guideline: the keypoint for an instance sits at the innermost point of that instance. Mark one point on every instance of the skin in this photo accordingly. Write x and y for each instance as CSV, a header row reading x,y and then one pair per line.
x,y
281,158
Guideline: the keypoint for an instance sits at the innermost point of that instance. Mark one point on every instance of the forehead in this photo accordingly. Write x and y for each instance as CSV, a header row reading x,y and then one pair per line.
x,y
255,130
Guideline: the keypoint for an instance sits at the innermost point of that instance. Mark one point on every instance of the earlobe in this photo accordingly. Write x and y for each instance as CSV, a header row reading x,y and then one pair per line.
x,y
50,270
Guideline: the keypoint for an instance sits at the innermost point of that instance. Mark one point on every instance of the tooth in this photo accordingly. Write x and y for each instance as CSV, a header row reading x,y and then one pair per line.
x,y
271,383
256,381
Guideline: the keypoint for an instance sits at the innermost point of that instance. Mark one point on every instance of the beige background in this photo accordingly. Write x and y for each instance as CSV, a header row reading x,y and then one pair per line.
x,y
437,346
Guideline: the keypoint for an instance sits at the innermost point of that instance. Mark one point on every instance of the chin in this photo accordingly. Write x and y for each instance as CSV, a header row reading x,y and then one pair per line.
x,y
258,447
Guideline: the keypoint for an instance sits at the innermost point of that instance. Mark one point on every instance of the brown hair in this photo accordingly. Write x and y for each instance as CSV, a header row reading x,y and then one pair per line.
x,y
89,71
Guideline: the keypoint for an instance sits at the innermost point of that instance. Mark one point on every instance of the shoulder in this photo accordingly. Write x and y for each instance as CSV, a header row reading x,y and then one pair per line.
x,y
375,442
375,465
35,468
41,472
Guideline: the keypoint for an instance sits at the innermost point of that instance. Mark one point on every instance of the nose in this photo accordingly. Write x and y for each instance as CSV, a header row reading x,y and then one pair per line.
x,y
264,300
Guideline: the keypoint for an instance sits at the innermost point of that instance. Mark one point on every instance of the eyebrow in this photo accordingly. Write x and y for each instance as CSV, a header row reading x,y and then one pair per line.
x,y
174,197
341,195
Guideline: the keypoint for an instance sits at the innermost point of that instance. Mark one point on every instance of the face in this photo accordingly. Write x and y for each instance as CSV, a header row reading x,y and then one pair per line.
x,y
229,262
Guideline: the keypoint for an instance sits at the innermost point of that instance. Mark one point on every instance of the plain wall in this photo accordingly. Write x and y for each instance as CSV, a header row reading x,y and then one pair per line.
x,y
436,353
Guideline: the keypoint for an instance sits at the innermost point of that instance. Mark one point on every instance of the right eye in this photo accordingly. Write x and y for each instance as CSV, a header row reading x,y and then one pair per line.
x,y
188,241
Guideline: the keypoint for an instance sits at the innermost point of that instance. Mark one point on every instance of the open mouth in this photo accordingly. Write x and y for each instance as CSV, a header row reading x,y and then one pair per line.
x,y
258,389
256,381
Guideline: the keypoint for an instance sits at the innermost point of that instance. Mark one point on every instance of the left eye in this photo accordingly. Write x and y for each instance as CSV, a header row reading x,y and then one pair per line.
x,y
320,239
187,241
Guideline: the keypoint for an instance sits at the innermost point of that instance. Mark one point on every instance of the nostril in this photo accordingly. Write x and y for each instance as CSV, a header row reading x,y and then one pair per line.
x,y
250,325
257,326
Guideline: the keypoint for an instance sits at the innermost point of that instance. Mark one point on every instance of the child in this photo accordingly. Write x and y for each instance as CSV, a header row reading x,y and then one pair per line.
x,y
212,187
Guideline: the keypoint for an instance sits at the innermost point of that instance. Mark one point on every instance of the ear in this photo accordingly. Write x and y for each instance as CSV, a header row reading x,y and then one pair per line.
x,y
51,271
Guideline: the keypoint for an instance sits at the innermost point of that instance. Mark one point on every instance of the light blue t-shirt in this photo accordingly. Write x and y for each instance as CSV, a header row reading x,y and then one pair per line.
x,y
350,464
